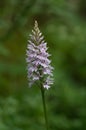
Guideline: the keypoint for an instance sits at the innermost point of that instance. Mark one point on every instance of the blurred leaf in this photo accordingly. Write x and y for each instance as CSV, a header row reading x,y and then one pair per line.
x,y
4,51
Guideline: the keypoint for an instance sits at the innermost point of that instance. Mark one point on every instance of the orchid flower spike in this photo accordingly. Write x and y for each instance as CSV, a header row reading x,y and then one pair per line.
x,y
38,64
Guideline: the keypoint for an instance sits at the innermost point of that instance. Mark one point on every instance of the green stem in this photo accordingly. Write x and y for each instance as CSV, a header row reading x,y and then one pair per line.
x,y
44,107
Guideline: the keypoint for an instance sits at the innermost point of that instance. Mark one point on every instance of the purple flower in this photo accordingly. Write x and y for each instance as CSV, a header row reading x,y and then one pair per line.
x,y
39,68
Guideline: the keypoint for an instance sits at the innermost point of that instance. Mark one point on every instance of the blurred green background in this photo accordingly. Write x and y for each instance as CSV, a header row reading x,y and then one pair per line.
x,y
63,23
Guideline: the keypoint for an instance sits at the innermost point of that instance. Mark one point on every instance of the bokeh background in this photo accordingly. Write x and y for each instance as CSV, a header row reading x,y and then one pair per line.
x,y
63,23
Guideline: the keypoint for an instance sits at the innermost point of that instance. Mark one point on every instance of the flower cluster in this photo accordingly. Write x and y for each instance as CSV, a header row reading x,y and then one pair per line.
x,y
39,68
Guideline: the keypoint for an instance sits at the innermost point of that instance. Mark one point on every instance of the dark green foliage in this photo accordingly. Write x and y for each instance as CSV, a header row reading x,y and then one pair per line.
x,y
65,31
